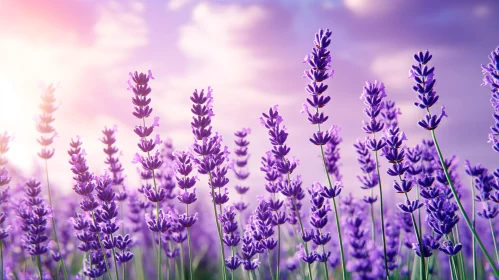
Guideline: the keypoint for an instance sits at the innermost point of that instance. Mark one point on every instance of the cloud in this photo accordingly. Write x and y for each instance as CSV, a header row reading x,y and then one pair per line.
x,y
370,8
393,69
174,5
214,44
88,67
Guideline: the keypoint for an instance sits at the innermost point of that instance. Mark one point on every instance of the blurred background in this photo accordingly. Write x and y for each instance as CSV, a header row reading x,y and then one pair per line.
x,y
251,53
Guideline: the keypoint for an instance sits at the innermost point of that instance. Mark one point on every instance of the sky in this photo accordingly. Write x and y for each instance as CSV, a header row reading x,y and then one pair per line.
x,y
251,54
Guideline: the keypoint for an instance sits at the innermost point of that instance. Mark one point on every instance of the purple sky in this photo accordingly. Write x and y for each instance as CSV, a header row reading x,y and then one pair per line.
x,y
251,53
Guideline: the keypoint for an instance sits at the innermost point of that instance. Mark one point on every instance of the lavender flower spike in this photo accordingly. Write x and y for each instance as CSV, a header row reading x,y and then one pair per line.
x,y
491,78
183,166
138,83
48,133
373,95
424,77
320,70
212,157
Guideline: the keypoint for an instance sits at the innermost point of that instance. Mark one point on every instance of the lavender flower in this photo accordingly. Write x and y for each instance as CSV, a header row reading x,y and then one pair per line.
x,y
211,160
332,154
139,85
360,264
373,94
425,81
491,78
48,133
320,62
273,177
33,213
239,165
115,166
319,210
87,227
183,168
231,236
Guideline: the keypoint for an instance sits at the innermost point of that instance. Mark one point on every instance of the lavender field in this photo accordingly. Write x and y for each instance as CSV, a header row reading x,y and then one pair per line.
x,y
192,140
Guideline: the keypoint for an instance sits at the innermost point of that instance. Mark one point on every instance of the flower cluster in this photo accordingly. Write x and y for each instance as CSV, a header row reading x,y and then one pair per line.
x,y
320,62
425,81
212,160
491,77
231,236
319,210
34,214
44,123
239,165
85,224
369,178
332,154
113,161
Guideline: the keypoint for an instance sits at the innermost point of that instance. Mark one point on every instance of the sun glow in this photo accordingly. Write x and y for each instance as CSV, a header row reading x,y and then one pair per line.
x,y
9,105
13,119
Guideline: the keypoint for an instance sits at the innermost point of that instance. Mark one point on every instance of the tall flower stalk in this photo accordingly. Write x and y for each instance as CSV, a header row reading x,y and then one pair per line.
x,y
139,85
373,95
183,168
33,213
86,224
48,133
211,159
368,179
240,162
491,78
289,188
424,77
272,178
320,62
474,172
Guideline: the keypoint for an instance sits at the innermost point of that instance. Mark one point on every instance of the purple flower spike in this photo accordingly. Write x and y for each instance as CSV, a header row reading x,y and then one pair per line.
x,y
424,77
34,214
44,122
491,78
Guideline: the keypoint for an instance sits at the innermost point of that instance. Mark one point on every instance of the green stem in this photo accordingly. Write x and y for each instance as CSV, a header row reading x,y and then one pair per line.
x,y
452,268
459,257
160,277
337,218
278,252
326,271
53,222
373,230
102,249
303,233
473,242
115,264
461,208
218,227
422,265
270,265
191,271
174,261
408,264
259,270
493,233
182,274
381,211
39,265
